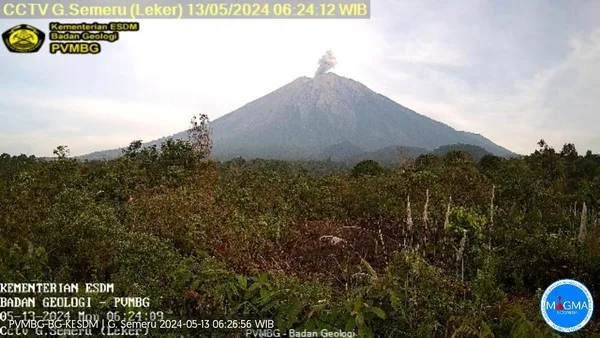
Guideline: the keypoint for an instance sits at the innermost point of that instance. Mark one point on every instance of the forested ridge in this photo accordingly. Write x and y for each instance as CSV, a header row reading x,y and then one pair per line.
x,y
440,246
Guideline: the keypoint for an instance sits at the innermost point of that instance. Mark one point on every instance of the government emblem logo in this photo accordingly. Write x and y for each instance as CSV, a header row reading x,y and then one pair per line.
x,y
23,39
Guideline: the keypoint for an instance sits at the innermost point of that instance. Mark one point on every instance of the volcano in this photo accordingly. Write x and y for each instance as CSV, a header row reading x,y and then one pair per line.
x,y
310,116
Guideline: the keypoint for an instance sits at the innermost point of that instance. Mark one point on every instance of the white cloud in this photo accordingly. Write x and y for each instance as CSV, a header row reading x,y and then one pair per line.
x,y
557,104
91,123
172,69
218,66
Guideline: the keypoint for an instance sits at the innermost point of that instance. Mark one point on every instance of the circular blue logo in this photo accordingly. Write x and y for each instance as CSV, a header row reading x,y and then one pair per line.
x,y
567,305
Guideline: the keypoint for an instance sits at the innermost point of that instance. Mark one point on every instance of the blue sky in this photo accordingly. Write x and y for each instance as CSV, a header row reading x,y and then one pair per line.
x,y
513,71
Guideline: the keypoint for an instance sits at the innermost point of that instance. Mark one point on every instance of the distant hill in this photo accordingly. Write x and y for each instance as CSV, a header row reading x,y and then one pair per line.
x,y
475,152
389,156
328,115
341,151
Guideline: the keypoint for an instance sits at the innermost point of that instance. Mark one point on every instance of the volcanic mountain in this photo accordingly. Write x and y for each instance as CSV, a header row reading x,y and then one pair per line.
x,y
310,117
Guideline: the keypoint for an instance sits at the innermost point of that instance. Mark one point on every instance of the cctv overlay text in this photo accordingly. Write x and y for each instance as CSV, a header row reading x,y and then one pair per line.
x,y
167,9
94,309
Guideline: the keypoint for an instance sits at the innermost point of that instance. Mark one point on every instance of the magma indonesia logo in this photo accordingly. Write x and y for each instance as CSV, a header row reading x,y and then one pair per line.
x,y
23,39
567,305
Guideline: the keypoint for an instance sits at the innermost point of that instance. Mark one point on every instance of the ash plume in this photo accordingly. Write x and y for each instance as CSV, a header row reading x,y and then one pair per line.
x,y
326,62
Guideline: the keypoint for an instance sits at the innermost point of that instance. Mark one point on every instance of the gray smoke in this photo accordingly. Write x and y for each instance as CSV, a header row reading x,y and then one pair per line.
x,y
326,62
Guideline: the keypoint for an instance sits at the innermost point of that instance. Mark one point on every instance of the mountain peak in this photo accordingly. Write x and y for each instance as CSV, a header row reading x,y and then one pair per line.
x,y
301,79
309,115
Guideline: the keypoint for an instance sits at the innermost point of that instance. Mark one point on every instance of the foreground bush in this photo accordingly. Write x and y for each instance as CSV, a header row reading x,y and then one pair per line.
x,y
442,247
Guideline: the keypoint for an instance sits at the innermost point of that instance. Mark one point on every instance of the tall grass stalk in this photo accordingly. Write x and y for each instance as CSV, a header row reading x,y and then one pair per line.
x,y
583,225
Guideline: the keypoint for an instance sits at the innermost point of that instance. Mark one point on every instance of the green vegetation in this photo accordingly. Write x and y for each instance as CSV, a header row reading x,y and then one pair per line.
x,y
366,168
440,247
475,152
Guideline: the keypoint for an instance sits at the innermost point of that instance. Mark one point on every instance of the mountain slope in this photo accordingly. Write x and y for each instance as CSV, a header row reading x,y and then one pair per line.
x,y
306,117
341,151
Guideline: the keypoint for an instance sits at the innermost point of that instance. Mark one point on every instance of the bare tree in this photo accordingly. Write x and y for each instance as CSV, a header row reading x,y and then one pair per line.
x,y
409,224
404,158
491,224
62,152
199,134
